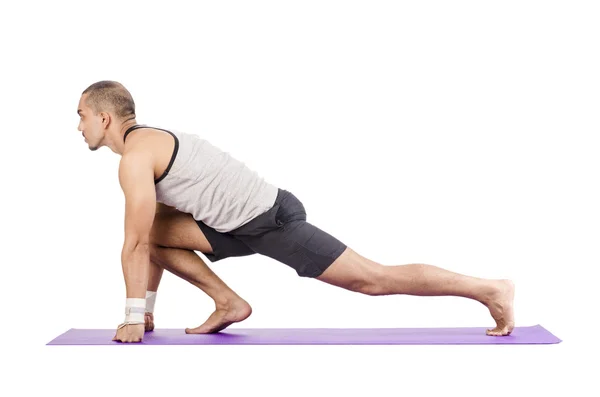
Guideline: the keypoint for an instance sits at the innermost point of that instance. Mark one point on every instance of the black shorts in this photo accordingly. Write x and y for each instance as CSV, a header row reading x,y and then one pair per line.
x,y
281,233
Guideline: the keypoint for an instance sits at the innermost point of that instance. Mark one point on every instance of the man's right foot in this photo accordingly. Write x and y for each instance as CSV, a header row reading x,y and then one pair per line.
x,y
500,303
223,317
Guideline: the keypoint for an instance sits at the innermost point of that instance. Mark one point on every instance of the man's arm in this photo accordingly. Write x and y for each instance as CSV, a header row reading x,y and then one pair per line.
x,y
136,176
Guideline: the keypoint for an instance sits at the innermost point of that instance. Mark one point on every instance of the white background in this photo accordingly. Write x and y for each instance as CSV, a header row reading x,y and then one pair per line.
x,y
460,134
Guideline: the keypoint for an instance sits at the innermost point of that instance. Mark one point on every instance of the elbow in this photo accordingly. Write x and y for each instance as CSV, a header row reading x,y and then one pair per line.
x,y
137,245
141,245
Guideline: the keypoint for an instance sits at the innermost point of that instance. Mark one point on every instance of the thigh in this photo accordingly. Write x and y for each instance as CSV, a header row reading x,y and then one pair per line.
x,y
175,229
355,272
303,246
282,233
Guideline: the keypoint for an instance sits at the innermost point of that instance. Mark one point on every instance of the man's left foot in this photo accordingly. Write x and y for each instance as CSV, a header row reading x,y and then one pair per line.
x,y
223,317
500,304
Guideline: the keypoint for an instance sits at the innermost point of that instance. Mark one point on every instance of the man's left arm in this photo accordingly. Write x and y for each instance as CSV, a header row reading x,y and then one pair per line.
x,y
136,176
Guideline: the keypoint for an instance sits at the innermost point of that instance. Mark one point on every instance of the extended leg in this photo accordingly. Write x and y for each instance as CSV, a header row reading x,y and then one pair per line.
x,y
357,273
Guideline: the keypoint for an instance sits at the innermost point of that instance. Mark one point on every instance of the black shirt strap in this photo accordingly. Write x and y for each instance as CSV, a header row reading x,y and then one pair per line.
x,y
133,127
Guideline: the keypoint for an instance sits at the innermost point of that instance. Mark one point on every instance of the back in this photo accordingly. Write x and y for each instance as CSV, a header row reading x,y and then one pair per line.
x,y
211,185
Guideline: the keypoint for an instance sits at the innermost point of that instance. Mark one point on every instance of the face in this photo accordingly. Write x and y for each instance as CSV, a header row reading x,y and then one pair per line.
x,y
90,125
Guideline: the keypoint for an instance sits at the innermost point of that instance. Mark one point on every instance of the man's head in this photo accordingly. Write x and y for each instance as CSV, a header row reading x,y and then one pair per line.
x,y
104,108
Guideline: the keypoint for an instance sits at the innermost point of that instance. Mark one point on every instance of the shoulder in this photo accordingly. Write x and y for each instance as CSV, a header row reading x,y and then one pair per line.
x,y
147,139
136,164
140,144
141,136
135,156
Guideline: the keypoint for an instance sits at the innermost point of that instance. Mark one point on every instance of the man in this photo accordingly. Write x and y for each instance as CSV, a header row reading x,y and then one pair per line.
x,y
212,203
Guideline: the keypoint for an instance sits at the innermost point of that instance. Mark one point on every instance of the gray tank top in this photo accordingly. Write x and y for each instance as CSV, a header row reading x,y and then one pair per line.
x,y
212,186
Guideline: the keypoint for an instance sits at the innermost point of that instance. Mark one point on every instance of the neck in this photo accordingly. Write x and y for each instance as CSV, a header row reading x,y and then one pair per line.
x,y
120,143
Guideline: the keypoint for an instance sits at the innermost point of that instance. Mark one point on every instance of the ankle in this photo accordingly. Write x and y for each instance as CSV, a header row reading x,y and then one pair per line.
x,y
227,301
489,292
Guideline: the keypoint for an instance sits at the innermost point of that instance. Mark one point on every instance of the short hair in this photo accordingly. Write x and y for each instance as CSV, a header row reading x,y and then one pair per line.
x,y
109,95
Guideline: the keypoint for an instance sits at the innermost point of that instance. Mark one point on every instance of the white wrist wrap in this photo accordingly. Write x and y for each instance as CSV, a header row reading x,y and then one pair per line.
x,y
134,310
150,300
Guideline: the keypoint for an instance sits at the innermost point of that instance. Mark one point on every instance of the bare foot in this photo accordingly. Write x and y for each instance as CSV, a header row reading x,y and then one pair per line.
x,y
148,322
223,317
500,303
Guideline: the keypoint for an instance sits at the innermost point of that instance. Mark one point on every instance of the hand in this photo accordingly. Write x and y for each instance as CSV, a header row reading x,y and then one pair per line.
x,y
148,322
129,333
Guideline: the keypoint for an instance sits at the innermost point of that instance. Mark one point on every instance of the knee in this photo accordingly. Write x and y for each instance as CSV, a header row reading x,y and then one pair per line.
x,y
157,226
154,252
162,208
373,282
153,237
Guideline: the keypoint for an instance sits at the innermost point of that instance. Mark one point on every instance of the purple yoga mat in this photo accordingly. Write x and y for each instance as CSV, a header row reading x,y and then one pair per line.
x,y
317,336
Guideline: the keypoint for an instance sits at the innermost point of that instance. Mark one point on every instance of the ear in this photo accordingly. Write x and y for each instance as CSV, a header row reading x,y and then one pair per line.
x,y
106,119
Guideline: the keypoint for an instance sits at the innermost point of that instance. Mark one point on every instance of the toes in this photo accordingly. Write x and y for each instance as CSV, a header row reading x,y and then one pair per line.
x,y
205,329
498,332
193,331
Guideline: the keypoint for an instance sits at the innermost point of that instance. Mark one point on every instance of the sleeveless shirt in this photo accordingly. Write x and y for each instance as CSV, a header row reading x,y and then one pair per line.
x,y
211,185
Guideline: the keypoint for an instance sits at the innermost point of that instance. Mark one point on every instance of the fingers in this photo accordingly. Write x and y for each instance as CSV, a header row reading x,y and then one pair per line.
x,y
127,340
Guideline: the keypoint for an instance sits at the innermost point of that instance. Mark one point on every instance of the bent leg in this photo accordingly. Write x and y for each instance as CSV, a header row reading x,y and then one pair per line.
x,y
156,270
174,238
